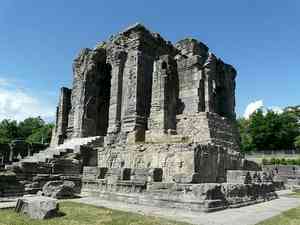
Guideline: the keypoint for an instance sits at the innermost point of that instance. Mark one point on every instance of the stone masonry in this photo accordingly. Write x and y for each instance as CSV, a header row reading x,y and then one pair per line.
x,y
138,82
166,115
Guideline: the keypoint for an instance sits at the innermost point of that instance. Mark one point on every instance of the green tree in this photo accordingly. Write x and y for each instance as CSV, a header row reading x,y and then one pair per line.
x,y
41,135
30,126
270,130
246,139
32,130
294,110
273,131
297,142
8,130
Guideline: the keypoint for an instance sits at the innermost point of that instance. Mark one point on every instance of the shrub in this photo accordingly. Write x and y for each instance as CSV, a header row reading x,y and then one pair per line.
x,y
265,161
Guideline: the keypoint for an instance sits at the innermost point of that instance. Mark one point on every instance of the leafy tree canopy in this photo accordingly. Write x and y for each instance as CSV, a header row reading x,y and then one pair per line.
x,y
32,130
270,130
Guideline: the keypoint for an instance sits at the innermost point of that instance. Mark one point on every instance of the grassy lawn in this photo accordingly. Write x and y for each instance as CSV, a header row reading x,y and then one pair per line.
x,y
81,214
295,194
290,217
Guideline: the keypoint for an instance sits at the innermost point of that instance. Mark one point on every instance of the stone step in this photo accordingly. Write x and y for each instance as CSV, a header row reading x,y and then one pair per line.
x,y
66,147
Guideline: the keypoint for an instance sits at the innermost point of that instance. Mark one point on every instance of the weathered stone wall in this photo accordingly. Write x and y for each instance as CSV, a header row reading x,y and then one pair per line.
x,y
90,94
206,83
183,163
190,61
136,49
137,81
164,96
205,127
196,197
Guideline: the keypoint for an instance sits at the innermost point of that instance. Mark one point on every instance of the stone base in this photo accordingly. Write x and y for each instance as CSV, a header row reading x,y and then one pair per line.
x,y
196,197
207,127
9,185
177,160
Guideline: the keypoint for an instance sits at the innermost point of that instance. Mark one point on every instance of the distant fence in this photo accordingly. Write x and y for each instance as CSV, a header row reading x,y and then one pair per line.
x,y
275,152
268,154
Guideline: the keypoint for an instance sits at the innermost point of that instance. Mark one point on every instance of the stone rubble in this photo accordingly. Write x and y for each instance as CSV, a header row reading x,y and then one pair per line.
x,y
59,189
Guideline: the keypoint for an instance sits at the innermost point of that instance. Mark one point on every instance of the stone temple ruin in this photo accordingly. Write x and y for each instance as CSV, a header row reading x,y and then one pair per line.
x,y
155,123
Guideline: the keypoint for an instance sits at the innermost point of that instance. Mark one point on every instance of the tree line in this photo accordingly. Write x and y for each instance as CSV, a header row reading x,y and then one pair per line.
x,y
31,130
270,130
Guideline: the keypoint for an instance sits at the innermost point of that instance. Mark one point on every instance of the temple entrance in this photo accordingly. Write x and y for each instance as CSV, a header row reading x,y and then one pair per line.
x,y
103,98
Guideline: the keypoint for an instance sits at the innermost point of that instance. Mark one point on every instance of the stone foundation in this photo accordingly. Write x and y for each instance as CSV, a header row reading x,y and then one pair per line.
x,y
197,197
194,162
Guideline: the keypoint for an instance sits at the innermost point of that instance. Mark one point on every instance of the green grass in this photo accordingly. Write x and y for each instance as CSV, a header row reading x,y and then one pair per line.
x,y
290,217
295,194
82,214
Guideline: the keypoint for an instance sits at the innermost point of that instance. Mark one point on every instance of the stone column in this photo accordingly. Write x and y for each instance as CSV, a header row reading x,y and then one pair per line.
x,y
117,62
62,116
210,83
133,120
90,87
164,95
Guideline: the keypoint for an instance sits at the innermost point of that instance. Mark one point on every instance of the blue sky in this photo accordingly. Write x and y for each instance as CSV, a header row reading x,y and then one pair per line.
x,y
39,40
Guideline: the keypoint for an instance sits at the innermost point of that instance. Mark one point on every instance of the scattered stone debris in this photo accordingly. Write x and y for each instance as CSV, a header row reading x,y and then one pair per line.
x,y
59,189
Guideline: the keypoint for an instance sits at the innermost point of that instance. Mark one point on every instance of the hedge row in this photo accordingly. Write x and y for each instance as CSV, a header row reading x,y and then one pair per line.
x,y
281,161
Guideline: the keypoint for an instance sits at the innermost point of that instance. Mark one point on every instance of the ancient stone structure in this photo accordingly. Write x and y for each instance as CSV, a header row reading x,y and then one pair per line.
x,y
137,87
9,185
284,175
163,118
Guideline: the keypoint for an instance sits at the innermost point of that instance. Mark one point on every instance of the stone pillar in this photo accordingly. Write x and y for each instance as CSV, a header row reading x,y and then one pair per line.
x,y
133,116
230,74
190,63
210,83
117,62
62,116
90,95
164,96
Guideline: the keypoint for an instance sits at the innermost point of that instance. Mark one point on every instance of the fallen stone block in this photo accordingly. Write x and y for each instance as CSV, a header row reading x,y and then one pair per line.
x,y
38,207
59,189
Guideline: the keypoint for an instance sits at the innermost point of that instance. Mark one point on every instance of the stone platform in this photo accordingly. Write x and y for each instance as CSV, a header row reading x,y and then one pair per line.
x,y
248,215
196,197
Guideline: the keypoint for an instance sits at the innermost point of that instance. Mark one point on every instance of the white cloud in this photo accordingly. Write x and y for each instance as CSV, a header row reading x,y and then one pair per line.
x,y
259,104
17,104
4,82
253,107
276,109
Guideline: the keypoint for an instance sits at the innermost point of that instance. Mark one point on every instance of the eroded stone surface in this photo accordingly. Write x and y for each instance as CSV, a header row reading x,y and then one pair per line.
x,y
38,207
59,189
137,81
10,186
165,117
